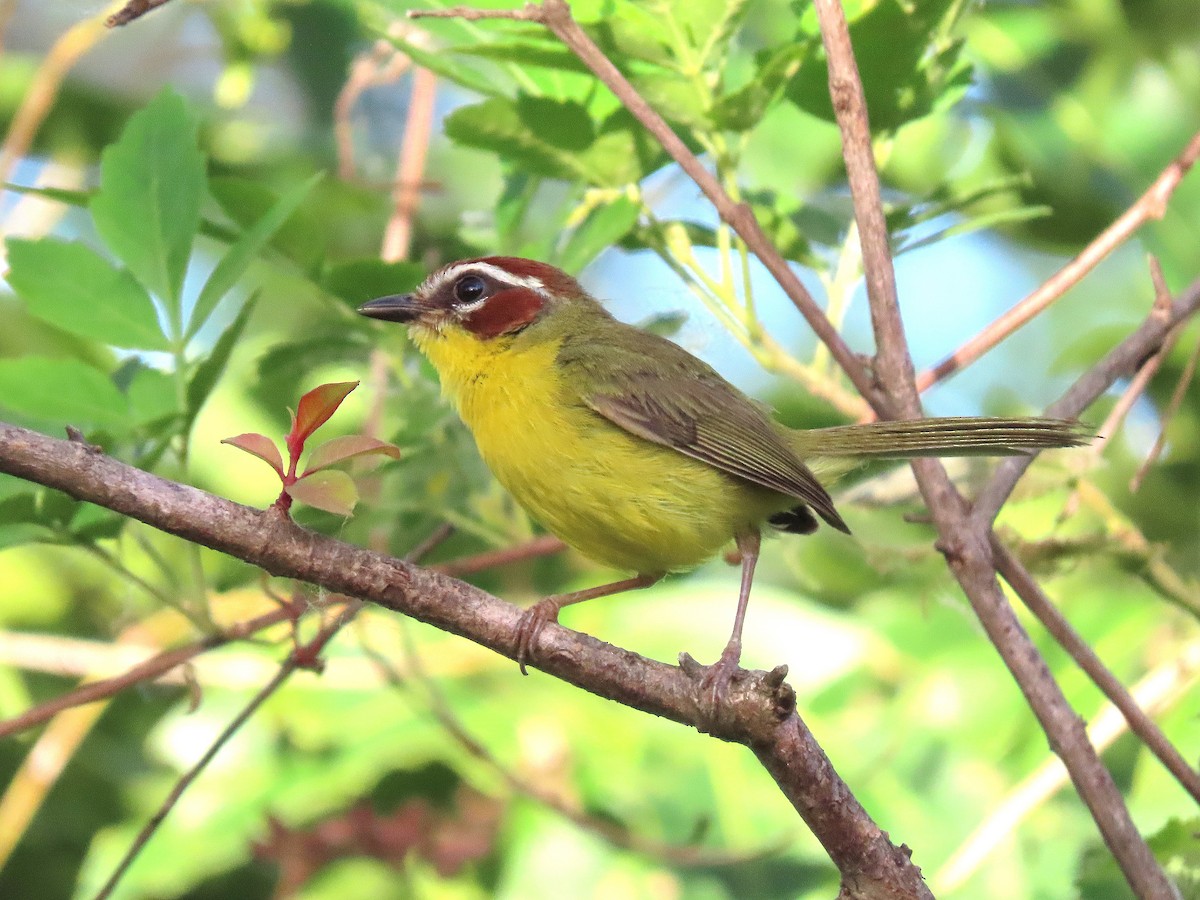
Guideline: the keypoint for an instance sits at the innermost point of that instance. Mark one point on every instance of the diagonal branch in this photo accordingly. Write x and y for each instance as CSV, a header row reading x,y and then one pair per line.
x,y
1151,205
964,540
556,15
1121,362
760,711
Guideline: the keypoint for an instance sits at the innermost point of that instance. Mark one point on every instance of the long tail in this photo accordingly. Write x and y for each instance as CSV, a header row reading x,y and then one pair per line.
x,y
954,436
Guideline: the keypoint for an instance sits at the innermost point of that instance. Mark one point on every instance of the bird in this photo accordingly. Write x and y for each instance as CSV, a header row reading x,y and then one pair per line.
x,y
633,451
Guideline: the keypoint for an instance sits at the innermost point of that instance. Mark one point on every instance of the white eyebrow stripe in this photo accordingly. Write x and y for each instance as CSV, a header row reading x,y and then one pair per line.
x,y
453,271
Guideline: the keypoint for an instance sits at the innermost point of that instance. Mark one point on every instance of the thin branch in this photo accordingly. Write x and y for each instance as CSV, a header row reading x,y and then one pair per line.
x,y
303,656
39,97
410,166
962,539
759,710
379,65
1142,378
148,670
1151,205
1181,389
1121,362
542,545
846,94
134,9
1085,657
556,15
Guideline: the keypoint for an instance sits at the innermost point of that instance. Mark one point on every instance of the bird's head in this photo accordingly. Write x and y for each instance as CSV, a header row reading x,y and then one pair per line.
x,y
488,297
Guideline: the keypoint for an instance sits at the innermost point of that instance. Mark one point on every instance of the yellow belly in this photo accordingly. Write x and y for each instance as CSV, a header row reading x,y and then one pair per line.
x,y
614,497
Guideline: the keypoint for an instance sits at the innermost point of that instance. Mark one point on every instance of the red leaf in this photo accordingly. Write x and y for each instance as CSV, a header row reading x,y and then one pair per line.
x,y
342,448
331,490
258,445
316,407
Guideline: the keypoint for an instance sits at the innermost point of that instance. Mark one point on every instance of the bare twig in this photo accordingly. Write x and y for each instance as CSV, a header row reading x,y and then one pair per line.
x,y
1120,362
425,547
962,540
39,97
1143,376
1085,657
556,15
1151,205
134,9
305,656
542,545
379,65
148,670
1185,380
410,166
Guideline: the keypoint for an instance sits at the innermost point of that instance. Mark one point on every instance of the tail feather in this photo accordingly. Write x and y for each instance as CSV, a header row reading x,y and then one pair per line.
x,y
952,436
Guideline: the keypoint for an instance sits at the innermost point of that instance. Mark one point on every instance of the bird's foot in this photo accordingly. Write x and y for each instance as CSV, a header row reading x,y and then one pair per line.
x,y
533,620
717,677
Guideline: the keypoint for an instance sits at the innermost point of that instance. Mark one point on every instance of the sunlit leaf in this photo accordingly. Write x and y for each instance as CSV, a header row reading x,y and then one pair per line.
x,y
315,408
152,182
340,449
76,289
239,256
62,392
258,445
330,489
210,369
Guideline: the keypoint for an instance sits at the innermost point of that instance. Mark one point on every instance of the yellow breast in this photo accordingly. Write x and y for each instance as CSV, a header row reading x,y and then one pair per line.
x,y
617,498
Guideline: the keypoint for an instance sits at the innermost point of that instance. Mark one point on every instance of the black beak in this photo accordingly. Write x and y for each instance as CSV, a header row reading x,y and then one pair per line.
x,y
396,308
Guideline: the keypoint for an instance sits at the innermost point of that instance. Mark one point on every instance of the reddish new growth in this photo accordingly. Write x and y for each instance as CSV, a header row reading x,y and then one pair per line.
x,y
318,485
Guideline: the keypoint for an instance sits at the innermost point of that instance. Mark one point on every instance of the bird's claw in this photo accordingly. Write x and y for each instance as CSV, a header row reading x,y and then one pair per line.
x,y
533,620
717,678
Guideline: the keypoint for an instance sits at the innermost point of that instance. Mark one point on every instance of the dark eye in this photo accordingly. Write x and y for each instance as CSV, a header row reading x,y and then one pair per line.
x,y
469,288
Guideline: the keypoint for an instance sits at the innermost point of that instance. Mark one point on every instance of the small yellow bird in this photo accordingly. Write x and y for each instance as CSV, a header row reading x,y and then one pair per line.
x,y
630,449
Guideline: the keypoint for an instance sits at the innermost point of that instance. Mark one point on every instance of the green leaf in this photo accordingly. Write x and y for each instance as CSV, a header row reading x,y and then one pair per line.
x,y
497,126
909,67
208,372
675,99
303,236
527,52
445,65
709,24
258,445
744,108
330,489
59,195
74,288
360,280
340,449
152,182
151,396
62,392
604,227
239,256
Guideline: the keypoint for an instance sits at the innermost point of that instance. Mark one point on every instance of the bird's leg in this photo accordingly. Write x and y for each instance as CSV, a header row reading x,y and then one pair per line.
x,y
717,678
546,610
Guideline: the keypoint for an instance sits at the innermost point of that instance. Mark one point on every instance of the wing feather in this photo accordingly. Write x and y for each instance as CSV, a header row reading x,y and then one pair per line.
x,y
710,420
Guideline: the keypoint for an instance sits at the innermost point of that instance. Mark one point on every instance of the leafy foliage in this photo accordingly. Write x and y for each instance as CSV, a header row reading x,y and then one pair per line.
x,y
206,277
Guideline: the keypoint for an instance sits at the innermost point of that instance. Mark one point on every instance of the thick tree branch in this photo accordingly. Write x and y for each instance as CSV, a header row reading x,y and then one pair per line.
x,y
760,711
963,540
